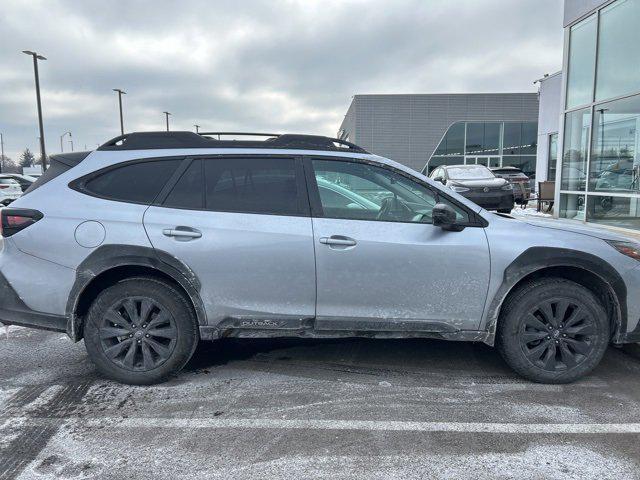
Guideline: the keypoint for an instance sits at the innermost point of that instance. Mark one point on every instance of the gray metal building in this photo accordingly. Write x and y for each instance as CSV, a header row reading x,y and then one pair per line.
x,y
409,128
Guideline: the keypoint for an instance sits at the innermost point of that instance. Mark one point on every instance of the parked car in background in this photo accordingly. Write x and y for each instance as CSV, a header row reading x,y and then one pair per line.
x,y
519,180
9,190
478,184
25,181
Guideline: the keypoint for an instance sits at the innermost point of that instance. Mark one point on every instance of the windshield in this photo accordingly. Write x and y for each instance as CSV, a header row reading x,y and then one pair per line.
x,y
475,172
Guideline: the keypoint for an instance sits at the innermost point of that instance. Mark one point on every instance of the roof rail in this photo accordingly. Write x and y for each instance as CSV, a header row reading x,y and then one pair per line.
x,y
165,140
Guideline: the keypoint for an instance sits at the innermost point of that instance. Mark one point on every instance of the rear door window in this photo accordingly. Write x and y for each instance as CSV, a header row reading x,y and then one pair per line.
x,y
188,192
138,182
263,185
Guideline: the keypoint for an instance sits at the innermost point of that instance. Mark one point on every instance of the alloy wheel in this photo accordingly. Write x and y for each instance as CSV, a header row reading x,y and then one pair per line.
x,y
557,335
137,333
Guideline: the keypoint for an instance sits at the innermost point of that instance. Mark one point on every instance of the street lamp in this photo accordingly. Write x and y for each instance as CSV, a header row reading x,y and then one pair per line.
x,y
197,127
167,117
1,153
61,137
37,57
120,93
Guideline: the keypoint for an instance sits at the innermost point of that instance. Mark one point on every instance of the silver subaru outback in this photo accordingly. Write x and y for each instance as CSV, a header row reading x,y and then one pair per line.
x,y
158,240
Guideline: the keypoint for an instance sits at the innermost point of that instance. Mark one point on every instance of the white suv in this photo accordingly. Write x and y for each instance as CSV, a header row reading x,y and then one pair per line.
x,y
158,240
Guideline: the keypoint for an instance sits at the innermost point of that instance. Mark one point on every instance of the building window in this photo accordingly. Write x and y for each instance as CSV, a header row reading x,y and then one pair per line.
x,y
582,58
483,139
572,206
552,157
493,144
615,162
574,155
453,141
614,210
618,52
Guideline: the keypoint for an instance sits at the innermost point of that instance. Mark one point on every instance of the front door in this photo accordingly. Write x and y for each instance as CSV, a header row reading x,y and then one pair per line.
x,y
381,264
242,225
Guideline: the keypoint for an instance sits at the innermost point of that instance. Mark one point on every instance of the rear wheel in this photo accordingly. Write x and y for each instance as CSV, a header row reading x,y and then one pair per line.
x,y
140,331
553,331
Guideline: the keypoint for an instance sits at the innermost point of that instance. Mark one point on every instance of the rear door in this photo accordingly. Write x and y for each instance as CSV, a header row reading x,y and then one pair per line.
x,y
385,266
242,224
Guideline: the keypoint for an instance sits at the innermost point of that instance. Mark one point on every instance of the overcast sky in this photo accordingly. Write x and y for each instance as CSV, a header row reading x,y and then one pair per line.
x,y
273,65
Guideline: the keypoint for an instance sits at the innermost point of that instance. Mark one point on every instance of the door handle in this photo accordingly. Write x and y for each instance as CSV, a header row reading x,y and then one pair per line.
x,y
180,232
338,240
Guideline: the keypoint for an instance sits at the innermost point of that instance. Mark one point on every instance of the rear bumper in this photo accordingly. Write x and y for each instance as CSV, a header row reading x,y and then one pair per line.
x,y
13,311
502,200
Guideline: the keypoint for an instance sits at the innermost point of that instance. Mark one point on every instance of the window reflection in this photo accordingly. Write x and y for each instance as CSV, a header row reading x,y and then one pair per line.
x,y
615,166
618,52
572,206
618,211
453,141
582,58
574,156
553,157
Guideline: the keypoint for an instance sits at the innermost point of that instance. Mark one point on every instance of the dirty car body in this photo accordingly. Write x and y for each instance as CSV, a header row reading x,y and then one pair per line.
x,y
240,234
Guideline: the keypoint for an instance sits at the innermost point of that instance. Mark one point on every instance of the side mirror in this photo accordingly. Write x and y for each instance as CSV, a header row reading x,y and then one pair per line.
x,y
444,216
439,179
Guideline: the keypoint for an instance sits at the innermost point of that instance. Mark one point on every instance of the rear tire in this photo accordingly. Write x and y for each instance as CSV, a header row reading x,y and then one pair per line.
x,y
140,331
553,330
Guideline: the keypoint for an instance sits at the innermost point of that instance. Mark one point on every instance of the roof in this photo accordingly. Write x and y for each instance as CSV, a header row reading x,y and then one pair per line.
x,y
170,140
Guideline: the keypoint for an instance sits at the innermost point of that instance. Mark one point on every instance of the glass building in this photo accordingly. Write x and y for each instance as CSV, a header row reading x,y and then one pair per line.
x,y
599,179
493,144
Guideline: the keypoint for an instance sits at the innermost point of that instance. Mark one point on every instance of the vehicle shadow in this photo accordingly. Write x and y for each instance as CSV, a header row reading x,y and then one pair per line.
x,y
352,355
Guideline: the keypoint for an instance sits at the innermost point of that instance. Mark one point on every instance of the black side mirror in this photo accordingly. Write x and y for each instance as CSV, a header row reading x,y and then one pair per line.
x,y
444,216
439,179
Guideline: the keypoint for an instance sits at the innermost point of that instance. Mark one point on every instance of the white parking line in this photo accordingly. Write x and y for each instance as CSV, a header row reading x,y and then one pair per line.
x,y
358,425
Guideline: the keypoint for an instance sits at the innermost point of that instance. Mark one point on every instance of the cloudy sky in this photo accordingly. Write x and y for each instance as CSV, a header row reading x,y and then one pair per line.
x,y
273,65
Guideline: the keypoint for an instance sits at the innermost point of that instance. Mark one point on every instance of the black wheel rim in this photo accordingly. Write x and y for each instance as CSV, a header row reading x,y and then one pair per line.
x,y
138,333
558,334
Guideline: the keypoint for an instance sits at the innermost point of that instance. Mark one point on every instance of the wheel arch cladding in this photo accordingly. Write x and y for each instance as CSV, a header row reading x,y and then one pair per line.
x,y
111,263
588,270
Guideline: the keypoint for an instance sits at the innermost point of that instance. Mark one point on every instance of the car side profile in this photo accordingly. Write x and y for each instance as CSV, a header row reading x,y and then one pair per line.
x,y
158,240
478,184
9,190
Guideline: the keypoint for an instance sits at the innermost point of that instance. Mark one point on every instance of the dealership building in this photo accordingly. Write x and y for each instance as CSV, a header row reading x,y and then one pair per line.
x,y
598,175
423,131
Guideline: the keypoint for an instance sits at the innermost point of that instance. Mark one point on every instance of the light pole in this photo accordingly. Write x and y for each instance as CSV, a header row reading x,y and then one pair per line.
x,y
61,137
120,93
1,153
37,57
197,127
167,117
71,141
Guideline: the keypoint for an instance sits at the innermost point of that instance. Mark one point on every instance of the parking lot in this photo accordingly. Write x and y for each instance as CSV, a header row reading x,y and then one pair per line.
x,y
313,409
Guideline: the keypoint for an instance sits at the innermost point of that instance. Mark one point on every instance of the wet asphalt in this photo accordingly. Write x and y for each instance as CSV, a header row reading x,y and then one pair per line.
x,y
294,409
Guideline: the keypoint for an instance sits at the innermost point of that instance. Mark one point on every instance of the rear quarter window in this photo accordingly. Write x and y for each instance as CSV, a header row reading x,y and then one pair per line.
x,y
138,182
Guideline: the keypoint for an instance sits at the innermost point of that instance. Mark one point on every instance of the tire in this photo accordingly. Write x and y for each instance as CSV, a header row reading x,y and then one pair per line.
x,y
543,344
504,210
155,348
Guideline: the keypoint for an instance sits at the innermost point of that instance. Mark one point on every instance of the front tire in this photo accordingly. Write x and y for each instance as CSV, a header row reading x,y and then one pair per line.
x,y
140,331
553,330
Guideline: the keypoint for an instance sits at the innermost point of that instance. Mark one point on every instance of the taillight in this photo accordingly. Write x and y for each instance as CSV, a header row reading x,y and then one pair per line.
x,y
4,186
13,220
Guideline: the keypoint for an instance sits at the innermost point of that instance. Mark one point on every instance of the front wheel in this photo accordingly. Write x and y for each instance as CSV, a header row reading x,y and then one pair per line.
x,y
140,331
553,331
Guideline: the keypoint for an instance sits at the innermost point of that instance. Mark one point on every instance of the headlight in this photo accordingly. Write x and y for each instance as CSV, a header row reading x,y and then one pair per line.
x,y
508,186
630,249
458,189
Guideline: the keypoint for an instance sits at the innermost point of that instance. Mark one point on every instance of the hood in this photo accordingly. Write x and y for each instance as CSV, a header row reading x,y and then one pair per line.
x,y
483,182
576,226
